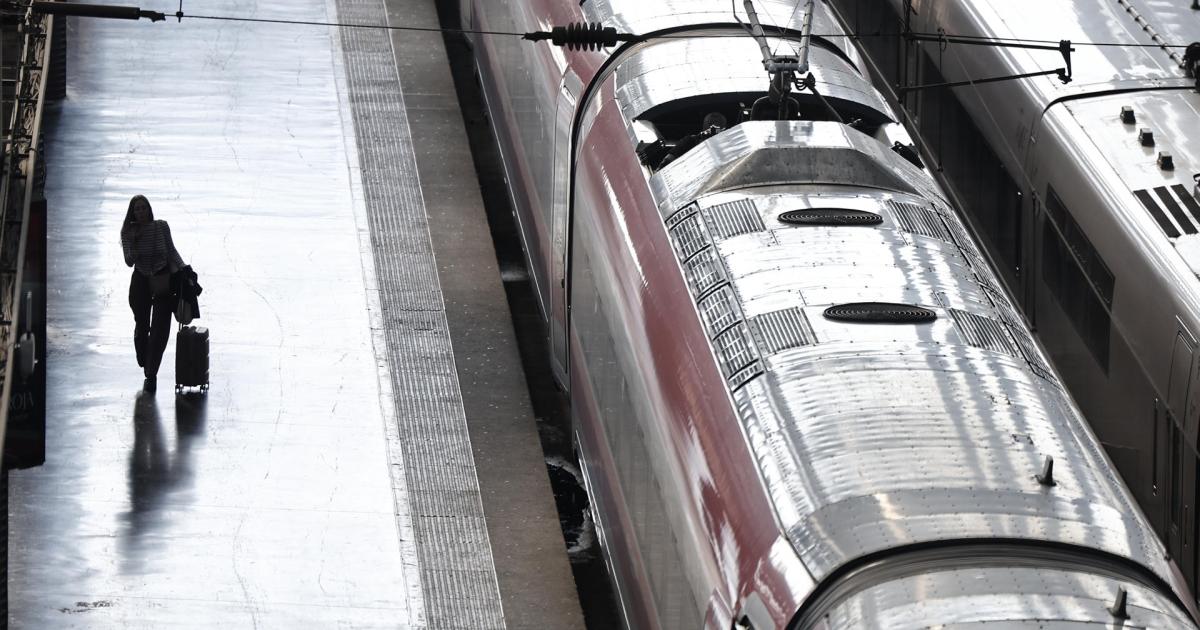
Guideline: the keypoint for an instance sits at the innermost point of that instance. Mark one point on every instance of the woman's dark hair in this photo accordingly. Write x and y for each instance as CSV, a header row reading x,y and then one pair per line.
x,y
130,219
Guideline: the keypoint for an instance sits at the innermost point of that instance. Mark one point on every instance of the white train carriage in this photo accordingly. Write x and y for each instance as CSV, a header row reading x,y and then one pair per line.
x,y
1085,197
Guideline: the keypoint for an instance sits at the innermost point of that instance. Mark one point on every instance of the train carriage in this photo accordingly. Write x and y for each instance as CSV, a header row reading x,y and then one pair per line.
x,y
1085,196
801,397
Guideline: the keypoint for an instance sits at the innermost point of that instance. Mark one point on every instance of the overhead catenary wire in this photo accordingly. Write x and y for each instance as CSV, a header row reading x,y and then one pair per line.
x,y
777,31
387,27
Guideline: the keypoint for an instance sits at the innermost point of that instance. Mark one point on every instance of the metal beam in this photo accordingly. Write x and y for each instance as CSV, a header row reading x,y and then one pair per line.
x,y
96,11
20,163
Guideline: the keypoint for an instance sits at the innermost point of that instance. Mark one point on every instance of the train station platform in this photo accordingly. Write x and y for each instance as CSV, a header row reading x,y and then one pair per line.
x,y
366,456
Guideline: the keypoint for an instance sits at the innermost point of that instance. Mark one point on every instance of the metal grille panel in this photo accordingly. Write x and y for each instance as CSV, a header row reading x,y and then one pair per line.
x,y
1028,349
983,332
458,579
704,272
919,220
731,219
745,375
678,217
708,279
689,237
788,328
720,311
963,240
735,350
991,288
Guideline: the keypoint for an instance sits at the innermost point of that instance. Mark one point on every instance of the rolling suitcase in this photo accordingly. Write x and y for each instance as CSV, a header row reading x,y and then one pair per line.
x,y
191,358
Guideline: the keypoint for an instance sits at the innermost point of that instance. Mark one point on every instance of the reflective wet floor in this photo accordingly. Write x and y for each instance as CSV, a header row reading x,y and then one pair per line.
x,y
283,497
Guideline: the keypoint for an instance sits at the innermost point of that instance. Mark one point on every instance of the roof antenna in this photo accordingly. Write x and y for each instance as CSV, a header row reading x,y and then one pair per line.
x,y
786,72
1046,477
1120,608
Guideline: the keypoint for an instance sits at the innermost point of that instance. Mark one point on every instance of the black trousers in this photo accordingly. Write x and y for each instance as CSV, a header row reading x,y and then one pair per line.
x,y
151,321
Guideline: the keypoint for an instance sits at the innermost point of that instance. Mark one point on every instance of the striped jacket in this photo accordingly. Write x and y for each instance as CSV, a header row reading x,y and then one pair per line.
x,y
149,249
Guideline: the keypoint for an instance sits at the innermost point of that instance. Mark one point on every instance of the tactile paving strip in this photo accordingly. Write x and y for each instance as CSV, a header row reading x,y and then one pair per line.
x,y
458,577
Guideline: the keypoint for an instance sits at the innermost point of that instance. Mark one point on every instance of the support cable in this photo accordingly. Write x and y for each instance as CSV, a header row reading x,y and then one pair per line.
x,y
1064,74
58,8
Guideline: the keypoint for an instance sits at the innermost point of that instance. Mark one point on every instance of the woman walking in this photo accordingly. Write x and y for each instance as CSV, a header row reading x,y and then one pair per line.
x,y
151,252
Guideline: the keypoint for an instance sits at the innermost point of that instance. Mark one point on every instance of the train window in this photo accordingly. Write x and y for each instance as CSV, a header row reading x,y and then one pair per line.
x,y
1078,279
989,195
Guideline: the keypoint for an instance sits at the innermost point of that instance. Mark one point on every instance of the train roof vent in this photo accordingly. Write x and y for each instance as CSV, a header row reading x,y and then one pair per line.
x,y
919,220
688,233
780,330
1170,215
704,272
727,220
880,313
720,311
830,216
1024,342
737,355
983,332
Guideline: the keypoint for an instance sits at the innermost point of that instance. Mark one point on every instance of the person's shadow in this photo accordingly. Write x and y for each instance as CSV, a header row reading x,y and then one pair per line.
x,y
155,474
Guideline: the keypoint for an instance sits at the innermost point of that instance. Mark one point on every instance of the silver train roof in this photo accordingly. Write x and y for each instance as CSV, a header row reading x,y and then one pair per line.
x,y
1144,76
874,437
1142,23
666,71
911,433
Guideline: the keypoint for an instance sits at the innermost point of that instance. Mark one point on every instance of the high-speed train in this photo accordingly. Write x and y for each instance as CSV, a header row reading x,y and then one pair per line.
x,y
801,398
1086,196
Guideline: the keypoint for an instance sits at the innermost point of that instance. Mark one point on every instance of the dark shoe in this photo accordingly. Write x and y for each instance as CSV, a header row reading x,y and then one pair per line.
x,y
150,385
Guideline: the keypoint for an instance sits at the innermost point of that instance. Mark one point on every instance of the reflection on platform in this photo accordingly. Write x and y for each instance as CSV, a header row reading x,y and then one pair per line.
x,y
157,473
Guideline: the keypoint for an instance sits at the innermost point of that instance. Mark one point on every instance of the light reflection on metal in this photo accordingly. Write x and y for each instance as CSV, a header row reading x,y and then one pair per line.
x,y
901,430
757,154
659,73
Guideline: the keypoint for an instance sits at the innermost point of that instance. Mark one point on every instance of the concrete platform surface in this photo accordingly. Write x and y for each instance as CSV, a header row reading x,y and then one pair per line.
x,y
291,495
